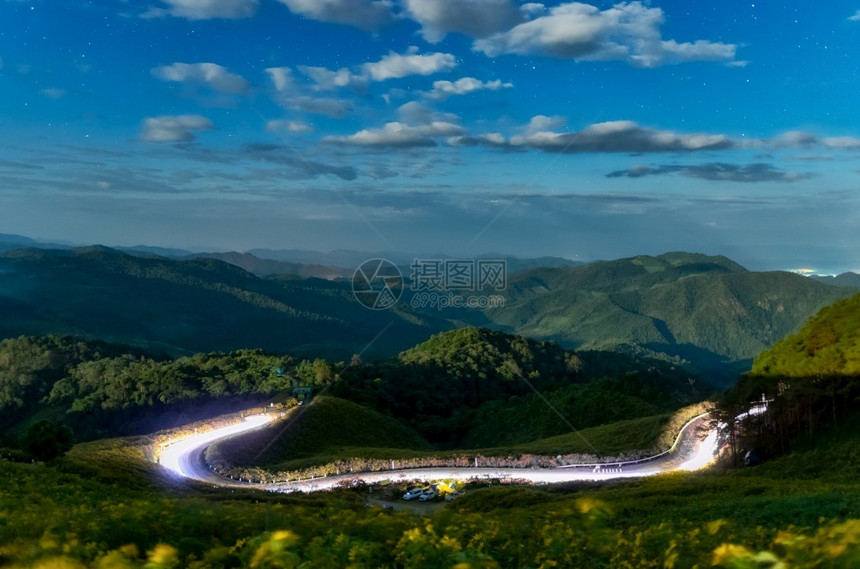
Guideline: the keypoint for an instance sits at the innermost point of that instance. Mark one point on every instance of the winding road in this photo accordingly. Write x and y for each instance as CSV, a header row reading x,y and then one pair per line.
x,y
694,448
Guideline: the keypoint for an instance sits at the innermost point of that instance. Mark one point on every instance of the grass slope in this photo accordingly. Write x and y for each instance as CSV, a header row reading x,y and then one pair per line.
x,y
328,426
829,343
339,430
795,510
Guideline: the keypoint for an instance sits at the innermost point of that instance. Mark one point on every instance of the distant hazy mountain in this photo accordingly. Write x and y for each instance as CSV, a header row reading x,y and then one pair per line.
x,y
350,260
517,264
338,258
10,242
266,267
709,311
194,305
845,279
148,251
299,262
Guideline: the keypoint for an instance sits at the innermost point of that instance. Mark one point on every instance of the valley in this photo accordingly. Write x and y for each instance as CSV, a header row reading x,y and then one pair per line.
x,y
610,441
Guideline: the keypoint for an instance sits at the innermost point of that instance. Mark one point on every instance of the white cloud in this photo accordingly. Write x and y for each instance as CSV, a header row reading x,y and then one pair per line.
x,y
540,123
855,17
391,66
699,50
533,9
845,142
395,65
54,92
180,128
492,139
367,15
327,80
297,127
611,136
627,32
474,18
463,86
399,135
205,9
291,97
792,139
801,139
282,77
716,171
211,74
335,108
414,112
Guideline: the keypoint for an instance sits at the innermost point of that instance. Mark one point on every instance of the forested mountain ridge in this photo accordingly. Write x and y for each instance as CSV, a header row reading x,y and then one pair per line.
x,y
828,344
811,380
708,311
479,387
191,306
100,389
849,279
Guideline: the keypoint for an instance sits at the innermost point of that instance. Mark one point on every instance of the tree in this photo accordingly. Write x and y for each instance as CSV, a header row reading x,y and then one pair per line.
x,y
45,440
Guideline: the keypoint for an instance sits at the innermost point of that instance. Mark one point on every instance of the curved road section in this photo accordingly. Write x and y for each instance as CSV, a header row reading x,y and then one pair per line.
x,y
694,449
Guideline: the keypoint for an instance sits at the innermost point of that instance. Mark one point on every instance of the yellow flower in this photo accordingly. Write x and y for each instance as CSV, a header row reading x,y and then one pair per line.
x,y
728,553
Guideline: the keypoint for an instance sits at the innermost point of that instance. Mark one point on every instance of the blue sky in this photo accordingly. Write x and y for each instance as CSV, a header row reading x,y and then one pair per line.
x,y
460,127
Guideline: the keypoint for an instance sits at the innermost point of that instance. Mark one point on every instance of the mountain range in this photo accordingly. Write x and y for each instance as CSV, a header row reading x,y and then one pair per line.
x,y
706,312
193,305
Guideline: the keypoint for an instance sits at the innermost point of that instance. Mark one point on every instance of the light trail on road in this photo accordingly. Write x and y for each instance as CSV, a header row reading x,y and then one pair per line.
x,y
184,457
176,454
704,455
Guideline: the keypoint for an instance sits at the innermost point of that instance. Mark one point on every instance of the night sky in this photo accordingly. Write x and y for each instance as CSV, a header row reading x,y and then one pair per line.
x,y
455,127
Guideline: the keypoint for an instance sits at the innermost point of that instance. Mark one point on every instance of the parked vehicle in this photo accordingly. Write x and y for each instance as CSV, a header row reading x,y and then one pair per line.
x,y
413,493
427,494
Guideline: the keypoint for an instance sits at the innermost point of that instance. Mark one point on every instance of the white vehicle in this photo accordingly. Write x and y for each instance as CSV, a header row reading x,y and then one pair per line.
x,y
414,493
427,494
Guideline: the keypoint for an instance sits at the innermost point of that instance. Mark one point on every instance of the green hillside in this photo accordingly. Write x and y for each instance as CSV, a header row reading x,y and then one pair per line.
x,y
471,387
192,306
251,456
707,311
101,389
326,427
477,387
811,379
828,344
